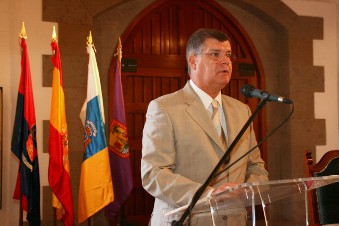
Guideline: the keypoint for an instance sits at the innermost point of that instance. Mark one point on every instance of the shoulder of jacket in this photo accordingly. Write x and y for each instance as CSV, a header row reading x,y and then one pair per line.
x,y
233,100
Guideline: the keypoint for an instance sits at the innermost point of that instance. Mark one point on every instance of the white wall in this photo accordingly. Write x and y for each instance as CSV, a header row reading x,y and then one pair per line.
x,y
325,54
5,80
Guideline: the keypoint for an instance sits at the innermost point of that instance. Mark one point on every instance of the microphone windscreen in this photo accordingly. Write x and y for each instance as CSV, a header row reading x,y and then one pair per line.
x,y
246,90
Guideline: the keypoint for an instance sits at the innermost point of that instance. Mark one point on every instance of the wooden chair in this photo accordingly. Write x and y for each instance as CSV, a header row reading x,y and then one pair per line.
x,y
323,201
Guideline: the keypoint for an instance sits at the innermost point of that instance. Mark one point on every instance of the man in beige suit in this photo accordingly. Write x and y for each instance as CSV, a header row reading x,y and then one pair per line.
x,y
181,145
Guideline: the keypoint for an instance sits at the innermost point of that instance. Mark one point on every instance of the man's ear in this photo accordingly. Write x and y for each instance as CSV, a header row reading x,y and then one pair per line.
x,y
192,59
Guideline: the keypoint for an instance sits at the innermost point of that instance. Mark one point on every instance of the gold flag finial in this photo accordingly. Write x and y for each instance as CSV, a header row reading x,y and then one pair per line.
x,y
23,33
54,36
119,50
119,44
90,39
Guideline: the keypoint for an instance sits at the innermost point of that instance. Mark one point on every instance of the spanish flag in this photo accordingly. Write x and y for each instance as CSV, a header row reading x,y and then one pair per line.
x,y
59,170
96,188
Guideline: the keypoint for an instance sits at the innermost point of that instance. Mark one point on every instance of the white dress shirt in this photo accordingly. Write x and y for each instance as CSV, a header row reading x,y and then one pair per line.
x,y
207,102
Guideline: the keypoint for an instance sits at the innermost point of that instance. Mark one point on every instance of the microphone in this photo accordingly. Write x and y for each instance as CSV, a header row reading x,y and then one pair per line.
x,y
249,91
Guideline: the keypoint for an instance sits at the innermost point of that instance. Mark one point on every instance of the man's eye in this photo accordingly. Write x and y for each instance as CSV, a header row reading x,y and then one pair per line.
x,y
215,54
228,55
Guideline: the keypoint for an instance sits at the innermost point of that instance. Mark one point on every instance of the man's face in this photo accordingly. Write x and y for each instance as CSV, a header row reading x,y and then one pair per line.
x,y
211,70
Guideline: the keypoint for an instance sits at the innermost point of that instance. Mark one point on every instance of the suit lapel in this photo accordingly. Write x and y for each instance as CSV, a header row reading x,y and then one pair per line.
x,y
199,114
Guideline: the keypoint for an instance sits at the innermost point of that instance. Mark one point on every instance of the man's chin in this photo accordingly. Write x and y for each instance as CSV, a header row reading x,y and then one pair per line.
x,y
224,83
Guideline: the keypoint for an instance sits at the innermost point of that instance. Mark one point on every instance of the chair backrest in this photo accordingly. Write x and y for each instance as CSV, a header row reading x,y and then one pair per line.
x,y
323,201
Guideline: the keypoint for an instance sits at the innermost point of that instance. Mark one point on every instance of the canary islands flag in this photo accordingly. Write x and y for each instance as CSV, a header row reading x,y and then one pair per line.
x,y
96,188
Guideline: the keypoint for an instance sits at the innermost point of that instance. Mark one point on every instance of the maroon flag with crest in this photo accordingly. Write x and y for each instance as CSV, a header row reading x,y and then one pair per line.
x,y
118,147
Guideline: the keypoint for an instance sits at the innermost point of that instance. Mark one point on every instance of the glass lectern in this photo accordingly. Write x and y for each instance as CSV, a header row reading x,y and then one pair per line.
x,y
245,197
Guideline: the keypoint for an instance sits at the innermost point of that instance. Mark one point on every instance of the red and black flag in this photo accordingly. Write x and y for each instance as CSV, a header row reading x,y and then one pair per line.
x,y
24,144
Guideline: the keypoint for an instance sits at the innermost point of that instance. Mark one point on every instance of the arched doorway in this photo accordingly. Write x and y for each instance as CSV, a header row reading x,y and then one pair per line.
x,y
154,64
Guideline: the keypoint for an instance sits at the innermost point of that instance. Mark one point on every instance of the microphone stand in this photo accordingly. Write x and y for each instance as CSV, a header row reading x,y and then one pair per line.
x,y
203,187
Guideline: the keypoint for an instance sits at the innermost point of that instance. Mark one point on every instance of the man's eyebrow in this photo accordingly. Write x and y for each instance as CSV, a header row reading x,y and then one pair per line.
x,y
215,50
218,50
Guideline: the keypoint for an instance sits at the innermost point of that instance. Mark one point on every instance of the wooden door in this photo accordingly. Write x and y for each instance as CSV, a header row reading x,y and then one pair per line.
x,y
154,64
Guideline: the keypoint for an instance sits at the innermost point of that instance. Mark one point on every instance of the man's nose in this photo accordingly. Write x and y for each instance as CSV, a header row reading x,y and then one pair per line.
x,y
224,59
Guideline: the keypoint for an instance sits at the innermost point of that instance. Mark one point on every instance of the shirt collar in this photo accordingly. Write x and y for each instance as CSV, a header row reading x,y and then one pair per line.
x,y
204,97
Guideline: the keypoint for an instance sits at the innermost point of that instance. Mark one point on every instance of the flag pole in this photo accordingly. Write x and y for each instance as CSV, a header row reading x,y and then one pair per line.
x,y
20,212
90,42
22,34
27,188
95,177
119,146
54,216
59,166
123,218
54,38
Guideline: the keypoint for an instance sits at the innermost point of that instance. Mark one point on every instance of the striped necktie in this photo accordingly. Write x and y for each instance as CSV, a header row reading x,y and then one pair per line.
x,y
217,123
218,127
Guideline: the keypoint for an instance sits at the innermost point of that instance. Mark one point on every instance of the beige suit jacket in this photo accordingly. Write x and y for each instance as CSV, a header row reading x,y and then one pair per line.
x,y
180,148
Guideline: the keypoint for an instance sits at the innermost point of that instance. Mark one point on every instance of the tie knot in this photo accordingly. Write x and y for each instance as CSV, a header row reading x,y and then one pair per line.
x,y
215,110
215,103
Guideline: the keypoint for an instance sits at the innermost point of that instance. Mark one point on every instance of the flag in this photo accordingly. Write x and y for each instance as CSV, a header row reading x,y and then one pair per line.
x,y
24,144
96,188
59,170
118,146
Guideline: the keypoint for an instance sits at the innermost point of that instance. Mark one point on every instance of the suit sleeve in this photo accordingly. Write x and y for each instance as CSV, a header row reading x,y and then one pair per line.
x,y
158,160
